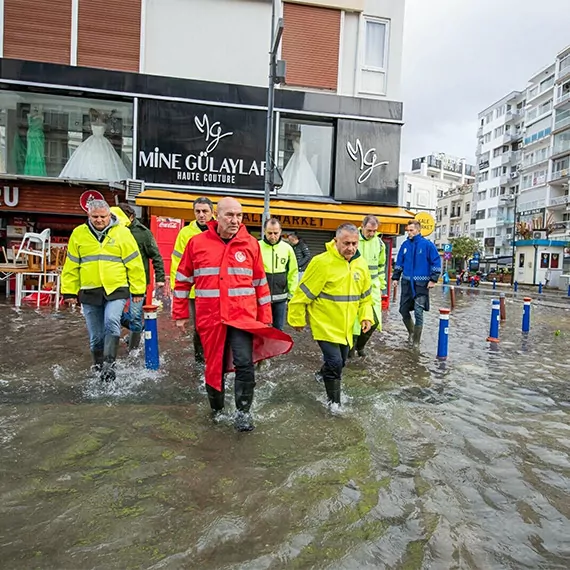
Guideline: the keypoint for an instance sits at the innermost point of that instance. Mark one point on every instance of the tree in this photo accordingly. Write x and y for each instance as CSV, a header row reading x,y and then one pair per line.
x,y
464,247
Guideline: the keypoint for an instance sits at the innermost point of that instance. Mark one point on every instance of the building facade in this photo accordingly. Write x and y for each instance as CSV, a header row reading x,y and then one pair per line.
x,y
522,182
96,98
453,214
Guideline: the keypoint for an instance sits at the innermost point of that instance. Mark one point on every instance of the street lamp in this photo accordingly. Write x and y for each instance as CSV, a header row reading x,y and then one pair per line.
x,y
276,76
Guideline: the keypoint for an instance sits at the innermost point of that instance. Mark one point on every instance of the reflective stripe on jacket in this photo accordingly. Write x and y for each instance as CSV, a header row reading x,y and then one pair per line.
x,y
112,264
334,292
280,265
231,290
184,236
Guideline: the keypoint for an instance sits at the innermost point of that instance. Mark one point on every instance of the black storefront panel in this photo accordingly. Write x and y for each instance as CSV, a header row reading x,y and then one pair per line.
x,y
367,162
188,144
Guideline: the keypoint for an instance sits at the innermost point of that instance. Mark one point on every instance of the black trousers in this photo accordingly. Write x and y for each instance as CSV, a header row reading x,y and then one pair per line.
x,y
198,350
241,345
334,359
362,339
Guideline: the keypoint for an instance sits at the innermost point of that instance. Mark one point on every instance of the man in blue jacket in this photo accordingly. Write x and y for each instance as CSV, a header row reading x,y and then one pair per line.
x,y
419,265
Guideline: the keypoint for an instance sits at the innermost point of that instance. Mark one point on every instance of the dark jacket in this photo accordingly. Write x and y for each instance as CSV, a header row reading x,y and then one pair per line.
x,y
149,250
302,254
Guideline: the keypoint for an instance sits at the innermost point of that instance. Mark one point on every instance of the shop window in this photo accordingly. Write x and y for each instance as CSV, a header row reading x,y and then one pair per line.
x,y
305,157
67,137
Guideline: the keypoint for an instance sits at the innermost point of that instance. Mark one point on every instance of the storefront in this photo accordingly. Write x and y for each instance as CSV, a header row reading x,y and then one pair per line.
x,y
539,261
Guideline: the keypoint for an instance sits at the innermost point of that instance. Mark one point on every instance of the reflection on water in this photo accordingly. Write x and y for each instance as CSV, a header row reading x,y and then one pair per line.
x,y
462,464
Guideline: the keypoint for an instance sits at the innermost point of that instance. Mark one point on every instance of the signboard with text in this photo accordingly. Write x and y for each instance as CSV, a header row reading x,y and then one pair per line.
x,y
190,144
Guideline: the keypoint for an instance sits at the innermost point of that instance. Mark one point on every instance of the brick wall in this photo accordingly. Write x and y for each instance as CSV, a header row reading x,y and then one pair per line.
x,y
311,46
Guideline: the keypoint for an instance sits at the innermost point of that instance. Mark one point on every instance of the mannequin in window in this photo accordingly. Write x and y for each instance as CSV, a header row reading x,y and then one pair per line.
x,y
95,158
35,144
298,176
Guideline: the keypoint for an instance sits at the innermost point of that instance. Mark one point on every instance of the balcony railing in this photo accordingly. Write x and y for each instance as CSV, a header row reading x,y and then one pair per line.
x,y
559,200
564,173
562,123
561,146
562,98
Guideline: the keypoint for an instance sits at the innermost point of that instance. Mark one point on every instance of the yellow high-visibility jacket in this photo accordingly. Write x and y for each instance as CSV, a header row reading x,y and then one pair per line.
x,y
334,292
184,236
280,264
122,218
112,264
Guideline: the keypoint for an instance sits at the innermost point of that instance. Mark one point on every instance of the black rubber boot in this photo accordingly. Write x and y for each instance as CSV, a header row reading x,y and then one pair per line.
x,y
352,351
134,340
216,399
333,391
410,326
417,336
110,355
97,360
198,349
244,399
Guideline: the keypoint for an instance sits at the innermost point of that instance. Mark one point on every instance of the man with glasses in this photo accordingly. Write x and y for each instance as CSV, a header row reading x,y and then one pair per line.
x,y
419,266
103,269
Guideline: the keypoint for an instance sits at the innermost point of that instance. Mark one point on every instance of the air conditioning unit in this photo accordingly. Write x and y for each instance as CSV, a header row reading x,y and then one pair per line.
x,y
539,235
134,188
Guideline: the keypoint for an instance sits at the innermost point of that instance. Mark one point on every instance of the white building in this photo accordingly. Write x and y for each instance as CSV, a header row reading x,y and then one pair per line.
x,y
356,45
453,214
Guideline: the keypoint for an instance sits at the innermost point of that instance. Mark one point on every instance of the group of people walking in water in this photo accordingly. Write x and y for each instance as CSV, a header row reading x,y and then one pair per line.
x,y
236,292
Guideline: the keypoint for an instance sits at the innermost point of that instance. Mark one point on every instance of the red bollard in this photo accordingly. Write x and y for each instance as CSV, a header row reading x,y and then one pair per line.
x,y
452,296
503,308
395,292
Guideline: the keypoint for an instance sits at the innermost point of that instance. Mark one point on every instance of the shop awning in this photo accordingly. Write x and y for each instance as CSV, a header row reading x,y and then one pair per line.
x,y
293,214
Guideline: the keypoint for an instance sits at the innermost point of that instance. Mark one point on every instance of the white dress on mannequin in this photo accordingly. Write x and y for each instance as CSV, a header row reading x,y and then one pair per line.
x,y
95,159
298,176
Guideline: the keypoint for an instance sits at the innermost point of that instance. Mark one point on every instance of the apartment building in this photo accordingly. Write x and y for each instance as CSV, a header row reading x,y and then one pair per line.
x,y
178,90
453,214
499,136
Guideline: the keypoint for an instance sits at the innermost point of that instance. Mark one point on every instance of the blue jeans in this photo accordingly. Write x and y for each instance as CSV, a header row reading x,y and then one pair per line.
x,y
133,318
278,311
102,321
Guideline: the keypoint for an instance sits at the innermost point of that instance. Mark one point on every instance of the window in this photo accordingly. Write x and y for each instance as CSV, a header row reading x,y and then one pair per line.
x,y
497,152
492,213
305,157
494,192
482,195
490,232
480,215
487,138
466,228
443,230
479,234
488,117
499,131
500,111
445,211
496,172
467,207
374,65
59,126
484,176
409,188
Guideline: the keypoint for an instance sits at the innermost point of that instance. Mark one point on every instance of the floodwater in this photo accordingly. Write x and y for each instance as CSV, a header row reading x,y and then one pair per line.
x,y
456,465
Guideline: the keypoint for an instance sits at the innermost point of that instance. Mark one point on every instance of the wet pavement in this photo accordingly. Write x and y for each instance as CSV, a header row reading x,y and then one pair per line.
x,y
462,464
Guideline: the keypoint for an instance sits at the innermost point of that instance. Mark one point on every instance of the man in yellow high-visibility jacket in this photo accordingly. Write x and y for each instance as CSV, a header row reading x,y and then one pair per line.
x,y
203,212
103,269
335,290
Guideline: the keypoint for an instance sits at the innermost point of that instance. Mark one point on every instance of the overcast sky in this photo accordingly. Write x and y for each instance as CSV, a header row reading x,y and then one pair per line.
x,y
461,56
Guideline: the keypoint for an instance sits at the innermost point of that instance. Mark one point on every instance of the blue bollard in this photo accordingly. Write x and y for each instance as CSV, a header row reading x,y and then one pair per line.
x,y
472,282
540,288
151,357
458,283
495,321
526,315
568,290
494,283
516,286
442,341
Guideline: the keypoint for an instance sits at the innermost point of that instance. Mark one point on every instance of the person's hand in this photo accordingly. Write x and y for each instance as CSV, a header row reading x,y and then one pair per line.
x,y
366,326
394,284
182,324
72,301
431,285
299,329
137,298
160,284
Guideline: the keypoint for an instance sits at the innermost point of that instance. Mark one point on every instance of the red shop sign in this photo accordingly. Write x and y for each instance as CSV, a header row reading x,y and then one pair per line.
x,y
88,196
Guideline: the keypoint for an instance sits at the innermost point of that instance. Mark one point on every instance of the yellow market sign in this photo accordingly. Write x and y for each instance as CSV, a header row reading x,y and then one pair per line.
x,y
427,221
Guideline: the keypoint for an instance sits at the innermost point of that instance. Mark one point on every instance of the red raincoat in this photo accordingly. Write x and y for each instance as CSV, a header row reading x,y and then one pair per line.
x,y
231,290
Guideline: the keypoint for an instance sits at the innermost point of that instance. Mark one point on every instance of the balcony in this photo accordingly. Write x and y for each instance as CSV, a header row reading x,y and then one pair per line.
x,y
559,201
503,220
564,72
504,180
455,214
560,176
562,146
562,123
562,99
479,132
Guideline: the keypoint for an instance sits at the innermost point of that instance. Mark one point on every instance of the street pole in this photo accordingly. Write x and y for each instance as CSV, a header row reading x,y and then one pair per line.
x,y
276,34
514,239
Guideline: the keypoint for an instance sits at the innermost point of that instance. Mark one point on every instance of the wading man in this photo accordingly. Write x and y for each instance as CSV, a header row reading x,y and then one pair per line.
x,y
133,318
335,291
233,307
203,212
103,269
372,248
280,266
419,266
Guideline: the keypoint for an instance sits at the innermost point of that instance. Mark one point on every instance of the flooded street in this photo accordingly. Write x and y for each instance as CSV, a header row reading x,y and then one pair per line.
x,y
463,464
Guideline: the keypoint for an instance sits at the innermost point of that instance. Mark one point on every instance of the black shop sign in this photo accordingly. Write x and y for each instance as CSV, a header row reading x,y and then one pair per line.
x,y
367,162
187,144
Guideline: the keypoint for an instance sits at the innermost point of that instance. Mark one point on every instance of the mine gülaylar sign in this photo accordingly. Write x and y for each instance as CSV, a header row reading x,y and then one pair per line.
x,y
187,144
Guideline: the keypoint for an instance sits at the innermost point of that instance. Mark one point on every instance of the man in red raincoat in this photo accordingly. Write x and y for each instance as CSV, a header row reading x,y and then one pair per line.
x,y
233,307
